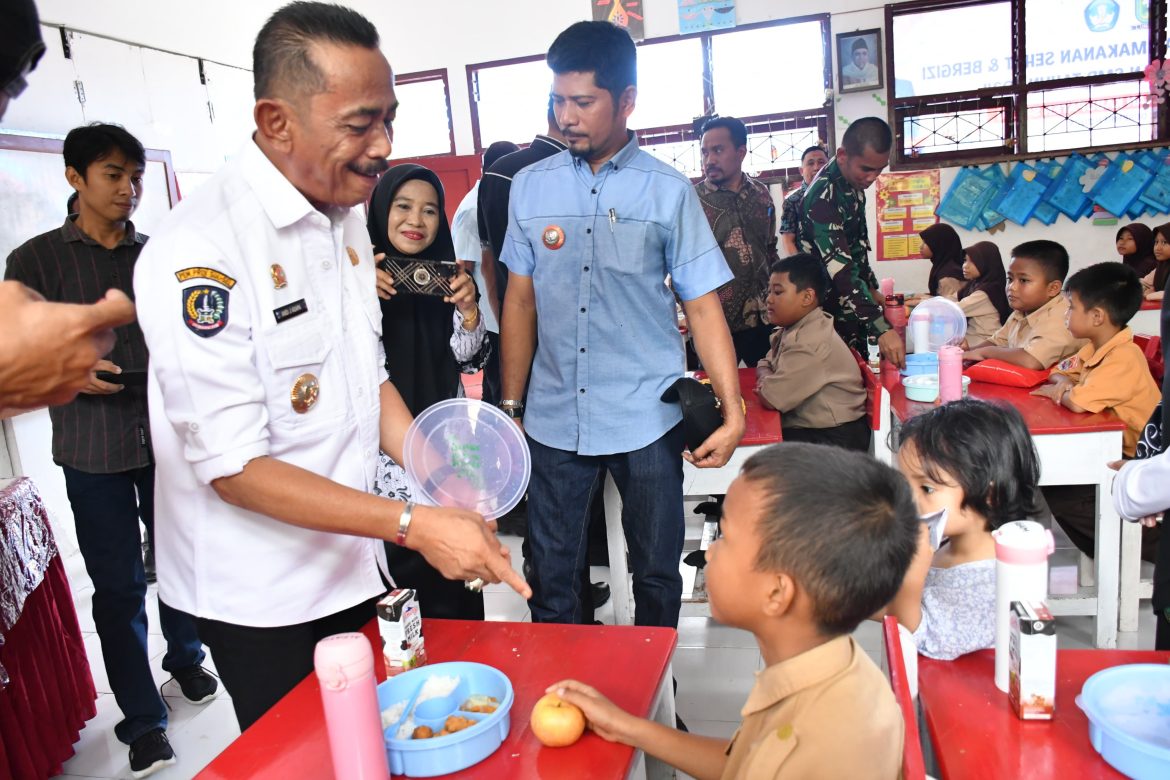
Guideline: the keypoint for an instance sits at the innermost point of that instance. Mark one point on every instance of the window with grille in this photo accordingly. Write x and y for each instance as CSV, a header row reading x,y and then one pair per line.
x,y
422,127
1024,77
683,78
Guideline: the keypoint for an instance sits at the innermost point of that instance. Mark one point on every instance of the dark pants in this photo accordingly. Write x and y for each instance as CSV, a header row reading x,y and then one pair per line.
x,y
560,495
752,344
1075,509
491,372
258,666
850,436
106,511
438,597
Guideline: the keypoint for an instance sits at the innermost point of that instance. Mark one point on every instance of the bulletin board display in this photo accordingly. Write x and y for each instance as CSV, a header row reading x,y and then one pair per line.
x,y
906,205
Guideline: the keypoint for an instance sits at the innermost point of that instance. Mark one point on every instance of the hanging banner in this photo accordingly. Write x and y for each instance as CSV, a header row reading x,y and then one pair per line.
x,y
906,205
624,13
700,16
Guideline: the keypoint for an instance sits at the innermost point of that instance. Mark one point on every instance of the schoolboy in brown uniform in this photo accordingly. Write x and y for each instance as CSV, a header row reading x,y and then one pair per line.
x,y
809,375
815,539
1109,372
1035,336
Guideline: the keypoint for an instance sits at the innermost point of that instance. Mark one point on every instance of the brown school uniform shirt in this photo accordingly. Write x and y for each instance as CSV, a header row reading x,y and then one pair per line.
x,y
1043,334
813,379
949,287
982,317
1114,377
827,713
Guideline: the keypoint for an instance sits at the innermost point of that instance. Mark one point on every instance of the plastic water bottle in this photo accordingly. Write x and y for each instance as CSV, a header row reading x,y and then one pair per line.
x,y
950,374
1022,548
345,668
920,331
895,313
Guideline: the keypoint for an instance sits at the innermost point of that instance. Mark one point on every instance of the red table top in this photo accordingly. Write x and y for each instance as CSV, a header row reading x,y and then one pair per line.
x,y
1041,415
1151,305
626,663
762,426
976,734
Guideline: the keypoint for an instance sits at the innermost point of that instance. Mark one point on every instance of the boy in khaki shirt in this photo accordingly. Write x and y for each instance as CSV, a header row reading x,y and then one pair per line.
x,y
1109,372
809,375
1035,336
815,539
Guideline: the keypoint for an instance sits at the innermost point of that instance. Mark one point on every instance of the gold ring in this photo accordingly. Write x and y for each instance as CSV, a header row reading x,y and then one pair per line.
x,y
475,585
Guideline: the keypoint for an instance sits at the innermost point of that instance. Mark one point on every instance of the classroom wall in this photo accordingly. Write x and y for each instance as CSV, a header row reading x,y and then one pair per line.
x,y
160,96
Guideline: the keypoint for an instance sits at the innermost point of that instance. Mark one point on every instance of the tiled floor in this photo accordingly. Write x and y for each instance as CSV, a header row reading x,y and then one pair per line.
x,y
715,666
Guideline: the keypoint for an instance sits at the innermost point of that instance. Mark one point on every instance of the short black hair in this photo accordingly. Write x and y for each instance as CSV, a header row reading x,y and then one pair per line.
x,y
1113,286
600,48
496,151
735,128
810,150
986,449
1049,255
858,44
869,132
838,522
87,144
805,272
552,114
280,57
69,203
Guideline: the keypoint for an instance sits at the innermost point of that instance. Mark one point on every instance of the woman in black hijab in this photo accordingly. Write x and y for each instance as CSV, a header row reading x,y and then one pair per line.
x,y
984,298
941,245
1135,244
429,342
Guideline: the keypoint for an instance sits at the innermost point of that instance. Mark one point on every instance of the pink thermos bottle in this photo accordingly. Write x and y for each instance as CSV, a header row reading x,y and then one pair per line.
x,y
345,668
950,374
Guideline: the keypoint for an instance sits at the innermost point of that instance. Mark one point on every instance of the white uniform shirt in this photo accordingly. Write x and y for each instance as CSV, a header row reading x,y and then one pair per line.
x,y
469,246
218,291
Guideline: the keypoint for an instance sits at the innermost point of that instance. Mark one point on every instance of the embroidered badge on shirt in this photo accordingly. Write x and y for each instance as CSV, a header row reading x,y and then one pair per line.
x,y
205,310
353,255
290,310
304,393
187,274
1068,364
553,237
279,280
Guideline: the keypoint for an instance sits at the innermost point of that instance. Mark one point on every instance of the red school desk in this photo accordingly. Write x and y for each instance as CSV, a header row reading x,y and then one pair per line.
x,y
975,733
628,664
1074,449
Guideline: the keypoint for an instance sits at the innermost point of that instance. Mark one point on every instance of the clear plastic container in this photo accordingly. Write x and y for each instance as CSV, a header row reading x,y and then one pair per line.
x,y
1128,708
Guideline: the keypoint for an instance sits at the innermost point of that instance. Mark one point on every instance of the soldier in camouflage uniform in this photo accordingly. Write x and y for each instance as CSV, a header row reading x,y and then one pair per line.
x,y
832,227
742,216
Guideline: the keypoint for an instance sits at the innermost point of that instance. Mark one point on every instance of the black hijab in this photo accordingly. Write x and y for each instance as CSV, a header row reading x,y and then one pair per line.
x,y
946,252
1162,270
1142,260
992,279
416,329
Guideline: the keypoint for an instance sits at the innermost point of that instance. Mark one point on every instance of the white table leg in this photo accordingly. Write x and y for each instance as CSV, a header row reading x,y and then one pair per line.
x,y
663,713
1131,567
1108,560
620,587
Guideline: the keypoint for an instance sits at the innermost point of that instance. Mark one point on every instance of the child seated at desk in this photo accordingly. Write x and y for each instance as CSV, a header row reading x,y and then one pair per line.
x,y
976,461
809,375
1035,335
1109,372
815,539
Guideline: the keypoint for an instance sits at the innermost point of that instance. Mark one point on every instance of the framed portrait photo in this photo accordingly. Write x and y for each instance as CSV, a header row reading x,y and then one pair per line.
x,y
859,60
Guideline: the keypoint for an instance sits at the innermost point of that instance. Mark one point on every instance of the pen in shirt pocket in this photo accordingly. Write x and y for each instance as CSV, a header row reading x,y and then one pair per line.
x,y
612,219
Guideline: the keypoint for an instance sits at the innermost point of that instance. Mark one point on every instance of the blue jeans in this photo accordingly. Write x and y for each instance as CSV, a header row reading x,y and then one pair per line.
x,y
106,511
559,496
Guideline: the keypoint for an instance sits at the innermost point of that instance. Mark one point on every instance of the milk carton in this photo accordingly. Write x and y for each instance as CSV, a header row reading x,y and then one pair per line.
x,y
400,626
1032,686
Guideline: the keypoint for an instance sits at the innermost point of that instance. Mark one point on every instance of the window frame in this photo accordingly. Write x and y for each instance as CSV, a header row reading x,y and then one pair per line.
x,y
439,74
822,117
1014,97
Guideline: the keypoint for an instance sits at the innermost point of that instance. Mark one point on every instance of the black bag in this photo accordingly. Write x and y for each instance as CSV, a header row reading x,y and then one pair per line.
x,y
700,409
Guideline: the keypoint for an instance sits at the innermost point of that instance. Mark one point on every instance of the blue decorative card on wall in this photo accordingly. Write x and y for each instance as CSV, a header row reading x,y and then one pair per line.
x,y
1067,193
990,218
1123,181
699,16
965,201
1019,196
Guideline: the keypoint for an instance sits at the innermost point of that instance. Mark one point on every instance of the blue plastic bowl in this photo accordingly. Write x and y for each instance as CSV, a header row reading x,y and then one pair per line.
x,y
450,753
921,363
1128,708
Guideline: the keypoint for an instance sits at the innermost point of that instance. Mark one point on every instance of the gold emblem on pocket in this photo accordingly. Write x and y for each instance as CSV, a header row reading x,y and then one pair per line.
x,y
353,255
304,393
279,280
553,237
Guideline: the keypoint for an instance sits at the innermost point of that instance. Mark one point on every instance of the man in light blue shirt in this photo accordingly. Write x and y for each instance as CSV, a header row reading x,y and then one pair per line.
x,y
593,233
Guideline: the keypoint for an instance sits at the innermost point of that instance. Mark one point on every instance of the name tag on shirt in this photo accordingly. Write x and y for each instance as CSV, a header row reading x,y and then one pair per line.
x,y
290,310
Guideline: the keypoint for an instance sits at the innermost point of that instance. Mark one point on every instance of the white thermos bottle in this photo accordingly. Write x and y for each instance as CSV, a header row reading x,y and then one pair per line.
x,y
1022,548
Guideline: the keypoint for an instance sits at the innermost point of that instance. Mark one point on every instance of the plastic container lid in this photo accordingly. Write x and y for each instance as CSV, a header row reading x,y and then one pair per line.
x,y
1023,541
948,324
342,658
467,454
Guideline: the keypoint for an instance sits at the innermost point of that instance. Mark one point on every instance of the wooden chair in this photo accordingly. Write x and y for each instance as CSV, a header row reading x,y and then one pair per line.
x,y
905,690
877,406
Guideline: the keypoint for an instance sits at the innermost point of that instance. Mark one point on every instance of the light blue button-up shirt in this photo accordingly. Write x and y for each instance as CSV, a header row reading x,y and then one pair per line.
x,y
608,341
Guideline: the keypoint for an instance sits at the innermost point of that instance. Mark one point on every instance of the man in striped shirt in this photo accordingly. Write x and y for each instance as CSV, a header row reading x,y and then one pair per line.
x,y
101,439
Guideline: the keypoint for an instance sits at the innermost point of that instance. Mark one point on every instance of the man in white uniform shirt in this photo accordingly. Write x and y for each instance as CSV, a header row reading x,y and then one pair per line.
x,y
268,391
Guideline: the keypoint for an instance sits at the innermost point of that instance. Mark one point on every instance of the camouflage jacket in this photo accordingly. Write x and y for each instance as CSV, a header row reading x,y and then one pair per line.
x,y
744,224
832,227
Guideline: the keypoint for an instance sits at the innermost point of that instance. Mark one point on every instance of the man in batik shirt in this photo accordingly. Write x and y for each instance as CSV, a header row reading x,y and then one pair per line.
x,y
832,227
743,218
